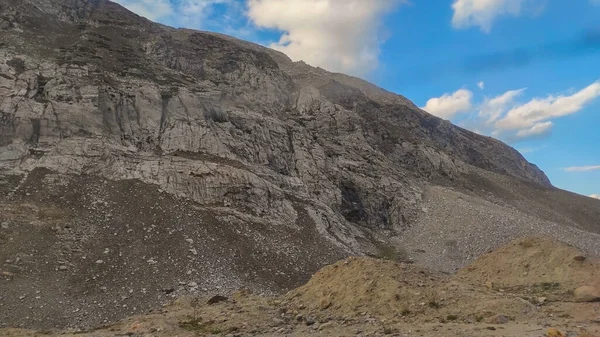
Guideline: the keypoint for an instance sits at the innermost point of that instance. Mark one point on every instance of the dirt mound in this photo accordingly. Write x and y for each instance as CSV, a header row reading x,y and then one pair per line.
x,y
357,285
534,265
397,291
371,297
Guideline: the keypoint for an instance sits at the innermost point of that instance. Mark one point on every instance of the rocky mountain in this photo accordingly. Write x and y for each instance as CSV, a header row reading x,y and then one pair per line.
x,y
139,162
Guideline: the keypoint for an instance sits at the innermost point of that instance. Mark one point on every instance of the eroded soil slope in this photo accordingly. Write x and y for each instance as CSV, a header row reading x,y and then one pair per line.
x,y
372,297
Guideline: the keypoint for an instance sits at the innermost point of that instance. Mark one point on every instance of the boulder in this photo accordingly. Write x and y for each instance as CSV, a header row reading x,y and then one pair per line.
x,y
586,294
498,319
553,332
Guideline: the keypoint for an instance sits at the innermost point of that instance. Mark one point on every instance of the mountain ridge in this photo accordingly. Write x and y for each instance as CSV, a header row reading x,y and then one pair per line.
x,y
307,72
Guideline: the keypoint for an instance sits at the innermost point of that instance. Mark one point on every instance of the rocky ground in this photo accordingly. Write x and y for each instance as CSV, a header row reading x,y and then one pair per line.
x,y
457,227
557,296
83,251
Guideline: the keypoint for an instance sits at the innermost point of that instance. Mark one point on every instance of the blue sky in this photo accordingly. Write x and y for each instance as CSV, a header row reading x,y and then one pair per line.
x,y
523,71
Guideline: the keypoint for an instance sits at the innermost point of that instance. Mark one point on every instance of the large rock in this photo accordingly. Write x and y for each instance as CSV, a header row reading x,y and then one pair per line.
x,y
586,294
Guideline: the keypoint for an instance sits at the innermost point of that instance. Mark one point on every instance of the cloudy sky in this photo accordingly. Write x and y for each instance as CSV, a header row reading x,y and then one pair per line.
x,y
524,71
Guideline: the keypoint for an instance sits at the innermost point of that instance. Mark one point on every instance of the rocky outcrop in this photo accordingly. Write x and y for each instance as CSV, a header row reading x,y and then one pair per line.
x,y
119,96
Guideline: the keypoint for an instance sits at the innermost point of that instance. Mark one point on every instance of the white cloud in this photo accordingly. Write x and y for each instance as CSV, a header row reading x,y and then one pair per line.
x,y
530,149
595,196
582,168
595,2
449,105
492,108
542,109
336,35
196,14
481,85
482,13
200,7
150,9
537,130
224,16
505,118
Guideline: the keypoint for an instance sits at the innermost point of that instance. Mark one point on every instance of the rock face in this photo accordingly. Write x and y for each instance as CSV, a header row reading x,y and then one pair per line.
x,y
219,120
105,115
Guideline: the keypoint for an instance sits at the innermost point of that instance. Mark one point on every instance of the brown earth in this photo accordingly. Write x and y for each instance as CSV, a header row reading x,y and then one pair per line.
x,y
531,265
374,297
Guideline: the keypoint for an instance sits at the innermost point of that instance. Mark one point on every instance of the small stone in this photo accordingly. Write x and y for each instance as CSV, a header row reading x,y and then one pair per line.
x,y
325,326
579,258
99,261
278,322
62,267
553,332
299,317
541,300
217,299
310,320
586,294
498,319
325,303
4,225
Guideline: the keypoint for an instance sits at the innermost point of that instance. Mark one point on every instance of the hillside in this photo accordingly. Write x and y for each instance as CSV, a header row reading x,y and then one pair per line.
x,y
374,297
140,163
